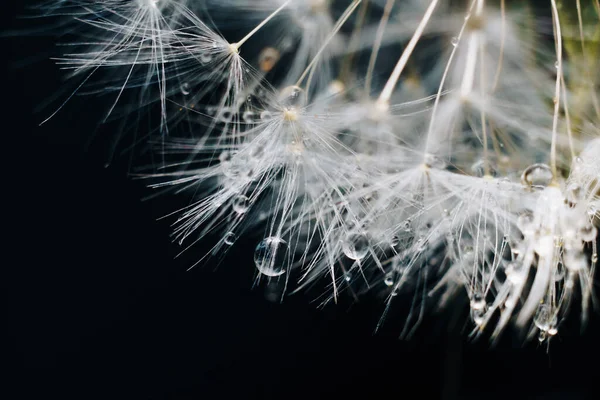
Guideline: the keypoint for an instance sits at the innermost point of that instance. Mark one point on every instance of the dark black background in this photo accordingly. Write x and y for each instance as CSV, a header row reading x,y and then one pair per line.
x,y
98,308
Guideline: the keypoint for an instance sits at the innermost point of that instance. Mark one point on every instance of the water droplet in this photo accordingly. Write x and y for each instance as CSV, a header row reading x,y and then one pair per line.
x,y
355,245
347,276
241,204
556,64
479,169
594,257
478,301
185,88
229,238
537,175
248,117
407,225
542,336
265,115
238,166
206,57
544,318
454,41
388,280
394,240
271,255
226,115
293,98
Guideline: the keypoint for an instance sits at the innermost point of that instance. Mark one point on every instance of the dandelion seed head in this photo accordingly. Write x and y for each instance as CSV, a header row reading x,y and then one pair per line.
x,y
470,172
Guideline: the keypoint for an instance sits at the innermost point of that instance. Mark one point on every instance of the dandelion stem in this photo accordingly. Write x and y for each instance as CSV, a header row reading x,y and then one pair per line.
x,y
236,46
377,45
482,77
580,22
502,44
473,46
353,45
567,116
333,32
386,93
442,82
558,41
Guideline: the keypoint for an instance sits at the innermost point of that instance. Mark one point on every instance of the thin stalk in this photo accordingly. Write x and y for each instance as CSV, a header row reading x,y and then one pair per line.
x,y
558,43
377,44
340,22
502,44
386,93
235,47
438,95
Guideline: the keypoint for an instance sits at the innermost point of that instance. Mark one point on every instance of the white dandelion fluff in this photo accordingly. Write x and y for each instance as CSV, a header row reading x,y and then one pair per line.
x,y
443,151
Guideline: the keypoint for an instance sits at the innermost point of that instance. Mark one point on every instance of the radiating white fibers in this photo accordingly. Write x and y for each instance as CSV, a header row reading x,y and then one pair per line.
x,y
416,147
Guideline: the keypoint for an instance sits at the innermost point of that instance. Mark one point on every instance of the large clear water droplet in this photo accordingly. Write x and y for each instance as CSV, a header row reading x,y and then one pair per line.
x,y
388,280
537,175
544,318
271,256
229,238
355,245
241,204
293,98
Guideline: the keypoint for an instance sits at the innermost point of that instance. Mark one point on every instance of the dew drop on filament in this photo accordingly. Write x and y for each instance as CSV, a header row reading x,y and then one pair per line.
x,y
355,245
271,255
241,204
293,98
388,280
185,88
537,175
229,238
